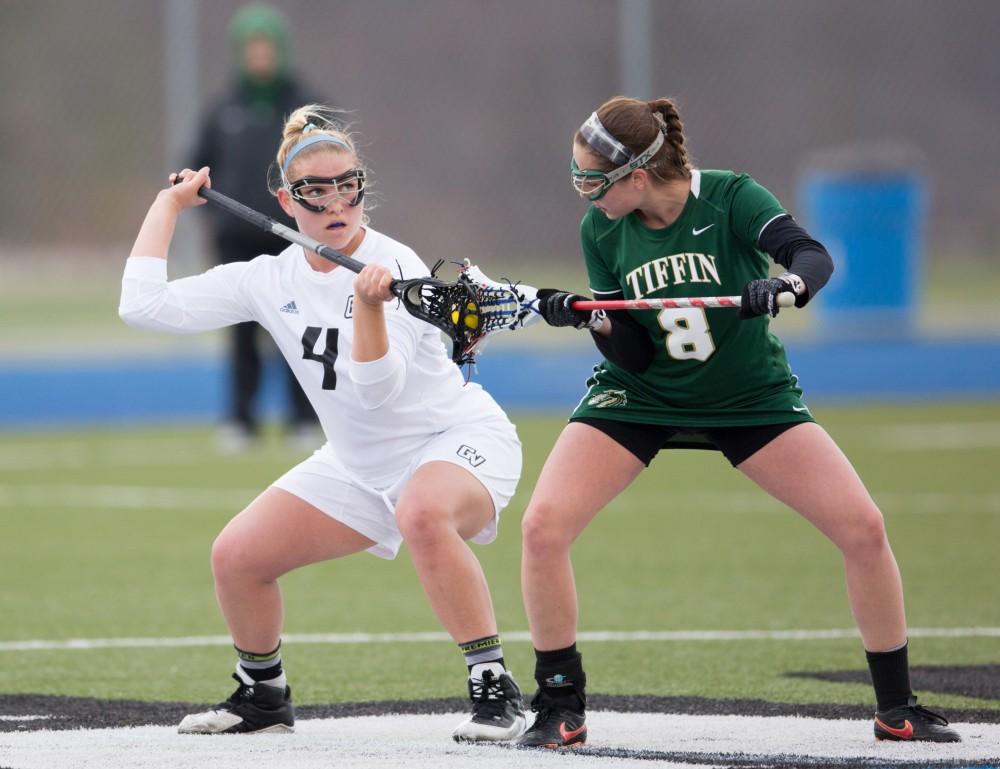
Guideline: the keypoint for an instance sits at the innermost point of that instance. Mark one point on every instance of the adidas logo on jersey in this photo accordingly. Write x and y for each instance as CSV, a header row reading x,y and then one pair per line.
x,y
290,307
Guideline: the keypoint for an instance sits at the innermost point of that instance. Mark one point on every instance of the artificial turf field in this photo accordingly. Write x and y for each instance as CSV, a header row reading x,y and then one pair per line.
x,y
714,625
107,536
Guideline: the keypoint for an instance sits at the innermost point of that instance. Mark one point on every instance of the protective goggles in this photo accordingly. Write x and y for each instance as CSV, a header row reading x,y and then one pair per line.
x,y
316,193
590,182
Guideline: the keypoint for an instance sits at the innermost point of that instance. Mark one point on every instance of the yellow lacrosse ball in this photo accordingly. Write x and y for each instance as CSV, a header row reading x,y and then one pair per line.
x,y
471,316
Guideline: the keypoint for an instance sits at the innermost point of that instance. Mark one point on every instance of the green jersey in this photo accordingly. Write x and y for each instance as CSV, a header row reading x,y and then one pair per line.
x,y
709,367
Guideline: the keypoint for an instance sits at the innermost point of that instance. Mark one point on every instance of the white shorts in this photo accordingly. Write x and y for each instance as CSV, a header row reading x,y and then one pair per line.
x,y
490,450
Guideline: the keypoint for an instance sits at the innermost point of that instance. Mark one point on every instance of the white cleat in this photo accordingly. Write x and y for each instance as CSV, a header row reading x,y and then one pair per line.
x,y
223,722
497,710
252,708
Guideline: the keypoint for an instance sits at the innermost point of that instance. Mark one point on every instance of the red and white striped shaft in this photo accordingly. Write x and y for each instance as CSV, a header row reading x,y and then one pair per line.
x,y
785,299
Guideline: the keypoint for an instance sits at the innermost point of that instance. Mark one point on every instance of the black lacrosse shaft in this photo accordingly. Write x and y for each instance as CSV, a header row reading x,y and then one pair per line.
x,y
409,291
268,224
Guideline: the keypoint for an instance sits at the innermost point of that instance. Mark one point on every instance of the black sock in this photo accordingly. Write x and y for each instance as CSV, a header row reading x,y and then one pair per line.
x,y
557,655
560,675
891,677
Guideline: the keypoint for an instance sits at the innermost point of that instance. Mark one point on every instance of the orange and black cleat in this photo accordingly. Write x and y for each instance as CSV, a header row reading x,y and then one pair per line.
x,y
913,723
556,725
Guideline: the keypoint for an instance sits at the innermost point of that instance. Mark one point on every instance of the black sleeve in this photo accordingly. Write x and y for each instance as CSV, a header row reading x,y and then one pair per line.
x,y
793,248
629,345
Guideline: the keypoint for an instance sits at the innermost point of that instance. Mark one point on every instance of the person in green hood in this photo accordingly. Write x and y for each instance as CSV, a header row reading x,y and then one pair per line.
x,y
236,140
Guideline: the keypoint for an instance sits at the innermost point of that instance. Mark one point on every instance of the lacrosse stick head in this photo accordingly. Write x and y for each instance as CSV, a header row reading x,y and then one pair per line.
x,y
503,305
469,309
451,307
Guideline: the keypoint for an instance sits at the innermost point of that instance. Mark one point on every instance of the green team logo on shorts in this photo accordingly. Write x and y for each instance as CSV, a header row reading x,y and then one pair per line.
x,y
608,399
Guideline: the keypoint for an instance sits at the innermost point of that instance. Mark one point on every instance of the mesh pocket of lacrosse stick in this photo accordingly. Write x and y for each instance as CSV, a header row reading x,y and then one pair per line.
x,y
468,310
451,307
505,306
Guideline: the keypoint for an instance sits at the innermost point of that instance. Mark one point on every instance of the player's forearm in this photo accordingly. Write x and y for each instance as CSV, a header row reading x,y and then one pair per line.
x,y
157,228
793,248
626,344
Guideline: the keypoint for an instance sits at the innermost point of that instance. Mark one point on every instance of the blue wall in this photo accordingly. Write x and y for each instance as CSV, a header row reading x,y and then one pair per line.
x,y
193,389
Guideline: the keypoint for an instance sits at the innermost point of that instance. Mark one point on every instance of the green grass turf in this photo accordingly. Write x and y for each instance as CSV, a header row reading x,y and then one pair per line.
x,y
107,534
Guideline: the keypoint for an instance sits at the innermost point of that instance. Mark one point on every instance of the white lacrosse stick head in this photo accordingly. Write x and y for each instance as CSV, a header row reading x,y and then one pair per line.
x,y
514,303
502,305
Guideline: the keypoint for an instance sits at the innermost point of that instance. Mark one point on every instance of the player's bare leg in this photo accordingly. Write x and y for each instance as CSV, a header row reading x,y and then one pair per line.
x,y
441,507
277,533
806,470
584,471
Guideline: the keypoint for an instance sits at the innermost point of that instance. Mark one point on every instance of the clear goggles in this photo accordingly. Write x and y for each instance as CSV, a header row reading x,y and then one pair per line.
x,y
592,184
315,193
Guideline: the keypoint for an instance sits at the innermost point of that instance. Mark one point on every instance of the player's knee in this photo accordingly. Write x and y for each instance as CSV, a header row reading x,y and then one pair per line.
x,y
420,524
866,536
540,536
231,559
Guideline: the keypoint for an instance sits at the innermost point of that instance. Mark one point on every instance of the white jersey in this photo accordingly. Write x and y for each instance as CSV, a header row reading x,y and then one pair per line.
x,y
375,415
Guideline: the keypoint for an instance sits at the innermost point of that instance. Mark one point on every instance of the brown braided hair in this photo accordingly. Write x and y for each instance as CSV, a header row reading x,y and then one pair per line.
x,y
634,123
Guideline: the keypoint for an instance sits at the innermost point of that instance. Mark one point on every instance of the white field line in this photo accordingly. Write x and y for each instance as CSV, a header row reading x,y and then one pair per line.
x,y
937,436
757,502
24,718
113,497
104,497
608,636
638,740
126,452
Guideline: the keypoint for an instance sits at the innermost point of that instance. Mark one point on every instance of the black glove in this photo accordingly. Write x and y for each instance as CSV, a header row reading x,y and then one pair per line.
x,y
760,297
554,307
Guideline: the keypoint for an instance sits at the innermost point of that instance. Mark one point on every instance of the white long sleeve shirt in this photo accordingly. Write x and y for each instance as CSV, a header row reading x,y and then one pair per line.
x,y
376,414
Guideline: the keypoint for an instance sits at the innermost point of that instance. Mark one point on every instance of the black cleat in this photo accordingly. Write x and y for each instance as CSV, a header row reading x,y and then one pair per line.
x,y
559,723
251,708
497,710
913,723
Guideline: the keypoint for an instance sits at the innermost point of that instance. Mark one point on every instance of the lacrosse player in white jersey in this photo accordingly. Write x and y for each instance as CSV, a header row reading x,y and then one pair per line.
x,y
413,453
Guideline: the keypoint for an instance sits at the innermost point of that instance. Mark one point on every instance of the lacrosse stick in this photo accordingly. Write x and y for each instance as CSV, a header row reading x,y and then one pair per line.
x,y
785,299
467,310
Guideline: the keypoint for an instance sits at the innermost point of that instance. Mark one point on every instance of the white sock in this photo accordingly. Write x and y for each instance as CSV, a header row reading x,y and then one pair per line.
x,y
479,668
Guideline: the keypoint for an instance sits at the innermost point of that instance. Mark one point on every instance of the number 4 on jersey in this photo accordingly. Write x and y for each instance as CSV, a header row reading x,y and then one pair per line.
x,y
329,356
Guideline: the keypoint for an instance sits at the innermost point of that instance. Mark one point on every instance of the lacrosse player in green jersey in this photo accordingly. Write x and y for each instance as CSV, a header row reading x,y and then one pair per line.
x,y
693,378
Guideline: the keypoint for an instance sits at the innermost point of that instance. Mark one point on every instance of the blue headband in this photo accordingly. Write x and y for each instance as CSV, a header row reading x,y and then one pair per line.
x,y
308,143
